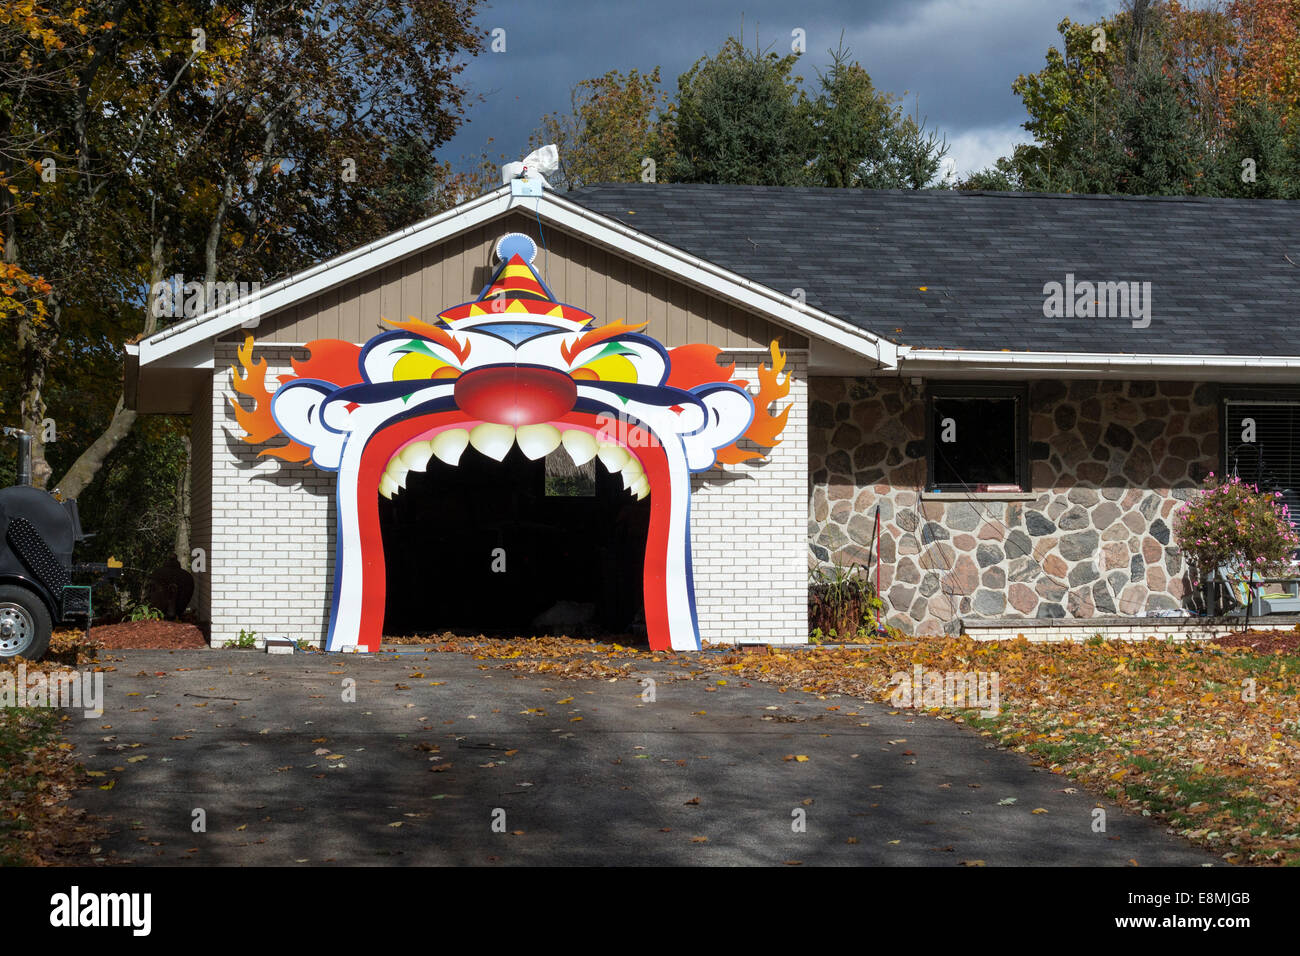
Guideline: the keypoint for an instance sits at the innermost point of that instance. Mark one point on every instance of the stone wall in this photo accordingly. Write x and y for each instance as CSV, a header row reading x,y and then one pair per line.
x,y
1110,461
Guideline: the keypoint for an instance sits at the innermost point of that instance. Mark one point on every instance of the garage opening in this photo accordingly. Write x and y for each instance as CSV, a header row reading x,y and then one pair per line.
x,y
515,548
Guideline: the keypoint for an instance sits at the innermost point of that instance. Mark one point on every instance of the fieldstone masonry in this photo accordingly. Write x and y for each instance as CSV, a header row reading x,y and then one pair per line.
x,y
1110,461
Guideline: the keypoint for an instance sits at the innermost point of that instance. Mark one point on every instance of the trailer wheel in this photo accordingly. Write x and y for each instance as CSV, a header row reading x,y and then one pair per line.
x,y
25,626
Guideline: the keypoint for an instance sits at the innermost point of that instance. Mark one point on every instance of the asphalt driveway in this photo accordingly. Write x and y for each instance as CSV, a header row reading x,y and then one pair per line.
x,y
443,759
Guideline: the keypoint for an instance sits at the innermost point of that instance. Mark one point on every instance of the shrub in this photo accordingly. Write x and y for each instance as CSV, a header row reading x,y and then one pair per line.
x,y
842,603
1237,527
143,612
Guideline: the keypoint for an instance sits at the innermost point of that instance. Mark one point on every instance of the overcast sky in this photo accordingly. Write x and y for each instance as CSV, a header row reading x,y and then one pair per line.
x,y
955,59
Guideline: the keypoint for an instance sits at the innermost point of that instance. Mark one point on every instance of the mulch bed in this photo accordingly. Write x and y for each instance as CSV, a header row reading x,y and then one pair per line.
x,y
1266,642
148,635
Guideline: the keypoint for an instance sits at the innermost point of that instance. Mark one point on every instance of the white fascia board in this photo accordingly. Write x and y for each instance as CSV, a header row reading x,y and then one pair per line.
x,y
323,276
197,356
918,361
665,258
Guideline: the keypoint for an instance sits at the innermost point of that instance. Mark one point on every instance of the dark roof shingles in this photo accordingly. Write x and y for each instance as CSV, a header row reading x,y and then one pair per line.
x,y
1220,280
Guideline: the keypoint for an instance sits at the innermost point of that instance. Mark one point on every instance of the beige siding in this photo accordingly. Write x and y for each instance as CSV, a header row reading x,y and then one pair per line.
x,y
604,283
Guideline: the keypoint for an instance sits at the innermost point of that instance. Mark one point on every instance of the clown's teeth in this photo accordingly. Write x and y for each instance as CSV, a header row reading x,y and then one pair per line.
x,y
538,441
613,457
387,487
641,487
397,472
492,440
580,445
631,472
450,444
416,455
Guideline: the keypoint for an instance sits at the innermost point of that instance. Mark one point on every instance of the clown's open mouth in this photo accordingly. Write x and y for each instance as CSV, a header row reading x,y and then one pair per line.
x,y
516,550
480,488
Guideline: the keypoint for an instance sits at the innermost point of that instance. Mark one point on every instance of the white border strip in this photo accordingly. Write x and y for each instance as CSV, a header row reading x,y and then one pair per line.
x,y
918,361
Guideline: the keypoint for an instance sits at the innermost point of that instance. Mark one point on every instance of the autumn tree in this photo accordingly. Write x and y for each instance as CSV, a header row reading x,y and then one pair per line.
x,y
612,131
1265,55
244,139
1165,99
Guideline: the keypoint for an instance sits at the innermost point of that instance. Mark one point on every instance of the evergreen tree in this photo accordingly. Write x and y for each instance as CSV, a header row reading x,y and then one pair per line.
x,y
739,118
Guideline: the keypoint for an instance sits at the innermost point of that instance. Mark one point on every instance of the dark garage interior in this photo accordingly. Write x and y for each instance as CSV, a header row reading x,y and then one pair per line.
x,y
442,531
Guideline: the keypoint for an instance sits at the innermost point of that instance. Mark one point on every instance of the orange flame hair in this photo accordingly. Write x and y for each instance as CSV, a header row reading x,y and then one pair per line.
x,y
765,429
257,422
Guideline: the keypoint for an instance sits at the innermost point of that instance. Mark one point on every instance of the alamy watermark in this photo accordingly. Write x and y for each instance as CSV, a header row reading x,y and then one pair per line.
x,y
174,298
74,690
957,689
1101,300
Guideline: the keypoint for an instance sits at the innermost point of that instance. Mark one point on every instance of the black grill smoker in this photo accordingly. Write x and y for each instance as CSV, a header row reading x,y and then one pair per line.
x,y
38,532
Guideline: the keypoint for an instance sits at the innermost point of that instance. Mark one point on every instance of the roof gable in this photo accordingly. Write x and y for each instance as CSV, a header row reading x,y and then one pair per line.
x,y
547,209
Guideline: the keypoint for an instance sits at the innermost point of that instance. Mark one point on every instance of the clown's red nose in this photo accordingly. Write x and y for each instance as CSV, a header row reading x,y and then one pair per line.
x,y
515,395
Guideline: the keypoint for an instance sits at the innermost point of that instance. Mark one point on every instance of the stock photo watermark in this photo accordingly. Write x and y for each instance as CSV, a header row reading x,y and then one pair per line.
x,y
923,689
70,689
1098,300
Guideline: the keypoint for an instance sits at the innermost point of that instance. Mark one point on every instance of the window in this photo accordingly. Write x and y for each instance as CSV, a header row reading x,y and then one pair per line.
x,y
978,437
1262,444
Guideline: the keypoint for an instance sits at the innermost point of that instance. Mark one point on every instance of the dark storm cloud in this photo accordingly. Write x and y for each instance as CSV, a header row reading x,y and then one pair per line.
x,y
955,58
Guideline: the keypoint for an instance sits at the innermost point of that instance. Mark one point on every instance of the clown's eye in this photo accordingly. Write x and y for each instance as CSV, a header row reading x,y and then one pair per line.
x,y
419,362
610,365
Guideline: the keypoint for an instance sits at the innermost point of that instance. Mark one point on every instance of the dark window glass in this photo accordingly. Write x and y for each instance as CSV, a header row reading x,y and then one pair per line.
x,y
1262,446
974,442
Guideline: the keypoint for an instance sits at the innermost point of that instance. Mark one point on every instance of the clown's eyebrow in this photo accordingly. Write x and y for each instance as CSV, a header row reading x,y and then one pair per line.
x,y
588,339
435,334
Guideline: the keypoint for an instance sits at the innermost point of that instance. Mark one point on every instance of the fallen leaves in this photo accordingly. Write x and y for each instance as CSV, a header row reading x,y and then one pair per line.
x,y
1154,725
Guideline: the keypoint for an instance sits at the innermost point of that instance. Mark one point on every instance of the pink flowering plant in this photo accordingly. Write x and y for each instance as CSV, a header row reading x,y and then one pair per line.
x,y
1235,526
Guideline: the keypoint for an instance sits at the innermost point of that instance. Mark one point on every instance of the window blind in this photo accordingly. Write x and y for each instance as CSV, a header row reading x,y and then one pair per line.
x,y
1272,460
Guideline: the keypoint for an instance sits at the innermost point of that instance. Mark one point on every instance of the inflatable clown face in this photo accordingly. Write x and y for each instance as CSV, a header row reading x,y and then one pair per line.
x,y
514,367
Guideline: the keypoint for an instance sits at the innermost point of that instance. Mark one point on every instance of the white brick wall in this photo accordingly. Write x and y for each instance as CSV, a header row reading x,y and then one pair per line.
x,y
271,553
749,531
1177,630
271,561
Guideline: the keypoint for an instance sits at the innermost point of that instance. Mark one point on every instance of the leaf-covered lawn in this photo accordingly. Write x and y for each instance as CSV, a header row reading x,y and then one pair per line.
x,y
1168,729
38,772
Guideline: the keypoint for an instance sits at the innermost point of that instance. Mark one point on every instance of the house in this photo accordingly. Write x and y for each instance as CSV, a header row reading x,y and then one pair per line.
x,y
1022,388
